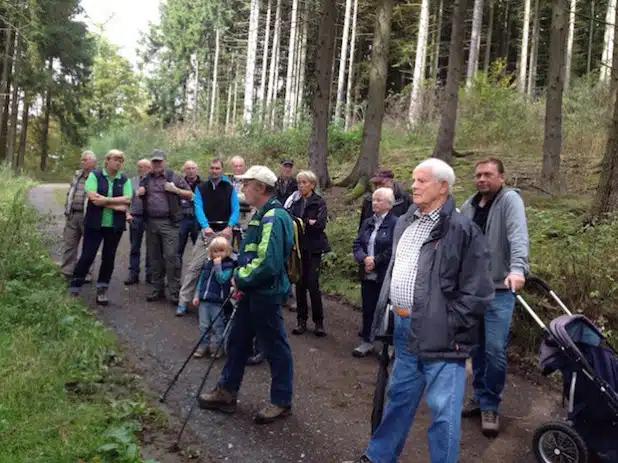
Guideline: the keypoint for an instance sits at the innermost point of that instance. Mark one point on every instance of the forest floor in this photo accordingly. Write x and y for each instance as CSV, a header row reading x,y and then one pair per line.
x,y
333,390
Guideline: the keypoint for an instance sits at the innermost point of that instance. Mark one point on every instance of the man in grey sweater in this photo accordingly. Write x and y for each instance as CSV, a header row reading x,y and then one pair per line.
x,y
499,212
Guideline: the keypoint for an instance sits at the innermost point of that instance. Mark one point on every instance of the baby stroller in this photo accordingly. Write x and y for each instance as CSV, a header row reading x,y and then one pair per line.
x,y
574,346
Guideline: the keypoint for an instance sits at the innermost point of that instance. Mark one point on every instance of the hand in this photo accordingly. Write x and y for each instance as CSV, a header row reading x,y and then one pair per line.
x,y
312,221
129,217
99,200
196,302
207,231
141,191
515,281
217,260
170,187
233,282
227,231
370,263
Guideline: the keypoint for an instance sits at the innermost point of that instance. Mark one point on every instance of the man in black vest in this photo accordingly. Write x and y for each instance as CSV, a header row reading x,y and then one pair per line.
x,y
109,195
188,225
217,211
162,190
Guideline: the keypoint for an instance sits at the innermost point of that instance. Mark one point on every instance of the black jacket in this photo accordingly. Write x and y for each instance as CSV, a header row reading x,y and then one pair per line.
x,y
400,207
284,191
453,287
314,240
382,246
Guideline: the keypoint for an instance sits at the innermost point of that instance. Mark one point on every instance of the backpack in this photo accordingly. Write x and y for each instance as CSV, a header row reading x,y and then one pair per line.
x,y
294,264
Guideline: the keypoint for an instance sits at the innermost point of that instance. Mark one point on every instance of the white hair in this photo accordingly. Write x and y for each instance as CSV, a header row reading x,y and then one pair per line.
x,y
89,154
440,171
307,175
238,158
387,193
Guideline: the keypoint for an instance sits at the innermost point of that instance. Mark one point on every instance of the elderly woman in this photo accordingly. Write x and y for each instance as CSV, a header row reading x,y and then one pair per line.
x,y
309,206
372,250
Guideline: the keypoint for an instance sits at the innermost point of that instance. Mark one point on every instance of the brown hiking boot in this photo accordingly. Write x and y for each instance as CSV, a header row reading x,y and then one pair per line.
x,y
220,399
272,413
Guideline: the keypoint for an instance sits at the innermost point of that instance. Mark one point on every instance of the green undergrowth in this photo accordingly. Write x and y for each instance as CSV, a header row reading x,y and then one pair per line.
x,y
65,395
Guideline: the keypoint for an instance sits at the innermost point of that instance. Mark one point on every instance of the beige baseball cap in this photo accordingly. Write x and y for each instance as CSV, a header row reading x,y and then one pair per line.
x,y
260,173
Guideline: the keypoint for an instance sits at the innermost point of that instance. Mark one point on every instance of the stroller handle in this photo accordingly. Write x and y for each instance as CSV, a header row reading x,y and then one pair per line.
x,y
532,278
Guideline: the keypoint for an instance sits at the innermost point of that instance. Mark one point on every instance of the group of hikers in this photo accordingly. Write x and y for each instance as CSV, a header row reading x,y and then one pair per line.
x,y
436,281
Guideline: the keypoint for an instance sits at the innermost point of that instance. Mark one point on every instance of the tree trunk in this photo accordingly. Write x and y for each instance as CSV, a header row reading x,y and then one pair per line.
x,y
608,43
552,144
448,121
296,74
12,132
475,41
324,51
273,77
196,93
235,104
590,37
348,97
505,38
5,85
273,108
46,114
262,91
523,57
289,81
606,196
534,53
228,106
300,92
490,31
436,64
342,63
368,159
215,69
254,21
418,77
23,137
569,50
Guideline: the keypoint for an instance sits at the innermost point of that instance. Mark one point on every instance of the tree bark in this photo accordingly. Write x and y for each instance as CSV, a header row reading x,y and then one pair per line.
x,y
490,31
273,77
12,132
324,51
523,57
273,107
23,137
254,21
418,76
228,106
300,92
534,54
590,38
213,96
438,41
349,102
475,41
368,159
552,144
448,121
569,50
196,93
262,91
342,63
5,85
289,81
46,114
608,43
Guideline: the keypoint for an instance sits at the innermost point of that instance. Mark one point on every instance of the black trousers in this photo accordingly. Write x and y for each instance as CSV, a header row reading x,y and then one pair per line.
x,y
92,241
370,293
311,283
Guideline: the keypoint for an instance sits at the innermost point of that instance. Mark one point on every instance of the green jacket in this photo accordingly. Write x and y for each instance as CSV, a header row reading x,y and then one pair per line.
x,y
264,252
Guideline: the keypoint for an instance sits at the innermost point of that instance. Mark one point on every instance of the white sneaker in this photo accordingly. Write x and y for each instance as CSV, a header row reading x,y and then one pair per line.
x,y
363,349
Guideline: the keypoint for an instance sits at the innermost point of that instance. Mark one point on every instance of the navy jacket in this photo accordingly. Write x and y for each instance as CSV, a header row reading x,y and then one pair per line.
x,y
382,246
453,287
314,239
215,283
400,206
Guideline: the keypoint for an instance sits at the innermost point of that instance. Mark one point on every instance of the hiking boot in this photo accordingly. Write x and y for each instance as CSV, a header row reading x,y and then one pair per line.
x,y
272,413
301,327
490,423
471,408
220,399
217,355
181,310
201,352
155,296
363,350
319,330
363,459
132,280
256,359
101,298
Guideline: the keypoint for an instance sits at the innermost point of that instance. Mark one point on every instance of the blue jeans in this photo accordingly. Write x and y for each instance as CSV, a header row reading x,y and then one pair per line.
x,y
489,363
208,312
257,316
137,227
188,227
442,381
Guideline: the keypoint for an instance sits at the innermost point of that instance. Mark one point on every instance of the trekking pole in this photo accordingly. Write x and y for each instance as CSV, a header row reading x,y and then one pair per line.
x,y
208,330
176,445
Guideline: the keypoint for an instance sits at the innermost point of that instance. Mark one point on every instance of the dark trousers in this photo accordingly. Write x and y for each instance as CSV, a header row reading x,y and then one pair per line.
x,y
261,318
370,293
137,228
92,241
162,244
188,228
310,282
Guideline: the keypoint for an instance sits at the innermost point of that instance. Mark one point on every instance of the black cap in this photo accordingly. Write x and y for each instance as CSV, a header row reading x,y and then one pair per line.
x,y
285,161
157,155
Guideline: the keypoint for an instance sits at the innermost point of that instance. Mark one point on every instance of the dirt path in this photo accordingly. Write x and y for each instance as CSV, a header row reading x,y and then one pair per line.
x,y
333,391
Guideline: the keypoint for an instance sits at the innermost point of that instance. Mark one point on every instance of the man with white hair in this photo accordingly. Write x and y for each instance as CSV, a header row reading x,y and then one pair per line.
x,y
188,225
438,286
245,210
74,207
262,278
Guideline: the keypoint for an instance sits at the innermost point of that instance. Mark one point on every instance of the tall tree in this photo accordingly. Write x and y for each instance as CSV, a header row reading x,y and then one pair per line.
x,y
342,63
448,120
418,77
521,82
438,42
323,57
488,40
23,137
590,37
368,158
288,115
302,62
348,99
274,65
534,53
475,41
552,143
608,42
262,91
215,69
252,44
569,50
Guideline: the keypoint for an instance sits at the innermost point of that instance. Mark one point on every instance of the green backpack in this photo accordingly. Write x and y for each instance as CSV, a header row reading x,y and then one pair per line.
x,y
295,260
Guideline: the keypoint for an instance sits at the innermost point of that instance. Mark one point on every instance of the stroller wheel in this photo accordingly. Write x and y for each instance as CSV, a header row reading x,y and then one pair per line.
x,y
557,442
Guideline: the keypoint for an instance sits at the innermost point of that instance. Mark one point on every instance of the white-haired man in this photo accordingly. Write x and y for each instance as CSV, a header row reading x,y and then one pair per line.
x,y
188,225
438,286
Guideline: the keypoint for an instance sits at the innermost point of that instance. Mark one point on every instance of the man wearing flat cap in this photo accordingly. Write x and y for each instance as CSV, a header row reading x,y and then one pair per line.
x,y
286,183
